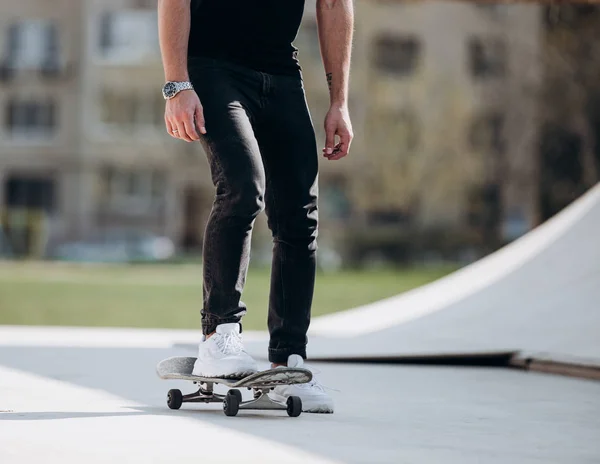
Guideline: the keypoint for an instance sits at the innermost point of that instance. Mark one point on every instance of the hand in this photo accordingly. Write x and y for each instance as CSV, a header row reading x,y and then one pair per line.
x,y
337,122
183,115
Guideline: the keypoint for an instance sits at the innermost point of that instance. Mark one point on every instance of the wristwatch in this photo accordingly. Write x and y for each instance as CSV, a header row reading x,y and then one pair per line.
x,y
170,89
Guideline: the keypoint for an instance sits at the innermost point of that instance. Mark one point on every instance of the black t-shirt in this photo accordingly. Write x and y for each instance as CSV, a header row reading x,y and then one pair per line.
x,y
254,33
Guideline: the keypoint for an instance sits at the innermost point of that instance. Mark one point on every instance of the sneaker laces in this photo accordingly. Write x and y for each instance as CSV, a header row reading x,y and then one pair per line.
x,y
230,343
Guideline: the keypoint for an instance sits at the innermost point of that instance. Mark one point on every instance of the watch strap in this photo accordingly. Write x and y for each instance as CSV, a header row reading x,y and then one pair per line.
x,y
183,86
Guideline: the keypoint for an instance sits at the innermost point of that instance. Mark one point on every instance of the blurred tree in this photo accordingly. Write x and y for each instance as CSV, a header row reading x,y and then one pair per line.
x,y
569,102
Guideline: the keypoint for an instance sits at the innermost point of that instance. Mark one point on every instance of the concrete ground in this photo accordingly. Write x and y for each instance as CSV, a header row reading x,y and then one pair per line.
x,y
67,401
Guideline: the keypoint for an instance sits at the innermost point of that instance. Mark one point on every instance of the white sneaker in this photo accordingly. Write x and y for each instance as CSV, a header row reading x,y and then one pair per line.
x,y
223,355
313,395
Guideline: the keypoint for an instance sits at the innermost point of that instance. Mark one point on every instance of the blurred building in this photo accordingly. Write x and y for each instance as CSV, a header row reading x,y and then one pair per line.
x,y
82,140
442,98
138,176
40,101
445,119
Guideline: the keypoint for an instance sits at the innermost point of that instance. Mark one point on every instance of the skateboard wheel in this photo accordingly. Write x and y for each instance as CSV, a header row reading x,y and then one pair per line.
x,y
237,393
231,404
174,399
294,406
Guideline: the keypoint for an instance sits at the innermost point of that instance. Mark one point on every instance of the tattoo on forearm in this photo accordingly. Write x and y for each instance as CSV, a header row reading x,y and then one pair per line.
x,y
329,79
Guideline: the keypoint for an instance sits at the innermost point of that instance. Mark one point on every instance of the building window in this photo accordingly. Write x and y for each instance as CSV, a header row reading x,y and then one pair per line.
x,y
487,57
30,193
31,118
125,111
52,47
397,55
128,35
135,190
33,44
487,133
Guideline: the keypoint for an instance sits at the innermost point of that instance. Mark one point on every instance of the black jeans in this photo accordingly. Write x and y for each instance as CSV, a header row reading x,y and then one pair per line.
x,y
262,152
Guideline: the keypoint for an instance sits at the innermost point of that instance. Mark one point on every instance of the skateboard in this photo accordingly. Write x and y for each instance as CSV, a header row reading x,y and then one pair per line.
x,y
180,368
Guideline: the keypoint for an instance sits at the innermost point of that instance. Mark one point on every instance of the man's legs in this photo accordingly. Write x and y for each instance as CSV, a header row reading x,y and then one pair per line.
x,y
289,151
238,175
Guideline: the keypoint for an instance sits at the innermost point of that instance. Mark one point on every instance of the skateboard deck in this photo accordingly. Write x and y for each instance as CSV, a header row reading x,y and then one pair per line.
x,y
180,368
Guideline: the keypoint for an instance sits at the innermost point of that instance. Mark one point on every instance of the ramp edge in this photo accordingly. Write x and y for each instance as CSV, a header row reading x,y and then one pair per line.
x,y
483,359
535,362
583,368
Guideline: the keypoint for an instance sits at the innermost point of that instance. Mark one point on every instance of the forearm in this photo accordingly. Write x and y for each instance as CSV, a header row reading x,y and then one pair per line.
x,y
335,19
173,33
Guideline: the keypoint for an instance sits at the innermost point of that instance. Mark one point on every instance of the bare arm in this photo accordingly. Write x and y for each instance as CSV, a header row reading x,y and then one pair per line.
x,y
336,22
173,34
184,112
335,19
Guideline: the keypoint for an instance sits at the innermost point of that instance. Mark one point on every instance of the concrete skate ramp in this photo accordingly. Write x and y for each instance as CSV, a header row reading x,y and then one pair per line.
x,y
538,297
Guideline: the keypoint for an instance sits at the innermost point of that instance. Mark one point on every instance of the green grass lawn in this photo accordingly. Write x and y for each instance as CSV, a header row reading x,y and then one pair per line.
x,y
168,296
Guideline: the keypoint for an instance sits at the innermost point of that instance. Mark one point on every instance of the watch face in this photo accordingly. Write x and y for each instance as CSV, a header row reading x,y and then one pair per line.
x,y
169,89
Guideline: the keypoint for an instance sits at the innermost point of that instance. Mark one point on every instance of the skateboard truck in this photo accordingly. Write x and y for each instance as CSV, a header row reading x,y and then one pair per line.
x,y
232,400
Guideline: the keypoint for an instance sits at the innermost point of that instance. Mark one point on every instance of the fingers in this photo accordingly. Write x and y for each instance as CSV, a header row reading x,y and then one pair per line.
x,y
329,139
172,128
338,133
184,117
342,148
339,151
199,119
190,129
182,132
182,128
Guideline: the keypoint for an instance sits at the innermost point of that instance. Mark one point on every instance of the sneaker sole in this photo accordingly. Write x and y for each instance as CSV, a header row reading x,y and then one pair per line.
x,y
320,408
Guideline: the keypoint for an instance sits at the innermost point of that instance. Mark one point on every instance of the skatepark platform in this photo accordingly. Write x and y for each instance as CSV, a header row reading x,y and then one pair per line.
x,y
536,300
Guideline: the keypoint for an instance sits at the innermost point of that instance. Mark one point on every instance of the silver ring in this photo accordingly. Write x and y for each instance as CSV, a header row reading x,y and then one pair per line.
x,y
175,131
